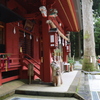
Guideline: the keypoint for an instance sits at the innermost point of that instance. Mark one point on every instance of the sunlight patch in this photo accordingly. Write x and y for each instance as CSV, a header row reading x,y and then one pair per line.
x,y
94,85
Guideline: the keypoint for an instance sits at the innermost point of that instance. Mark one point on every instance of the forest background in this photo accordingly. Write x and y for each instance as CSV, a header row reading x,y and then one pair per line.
x,y
76,38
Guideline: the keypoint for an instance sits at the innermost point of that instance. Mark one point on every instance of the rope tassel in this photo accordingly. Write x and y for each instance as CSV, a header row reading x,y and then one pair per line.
x,y
6,65
8,60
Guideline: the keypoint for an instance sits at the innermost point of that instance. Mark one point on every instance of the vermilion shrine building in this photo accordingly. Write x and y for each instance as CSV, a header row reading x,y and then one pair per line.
x,y
31,31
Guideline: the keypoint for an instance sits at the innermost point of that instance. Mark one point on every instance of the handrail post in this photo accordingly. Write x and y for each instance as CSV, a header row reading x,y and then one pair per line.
x,y
21,56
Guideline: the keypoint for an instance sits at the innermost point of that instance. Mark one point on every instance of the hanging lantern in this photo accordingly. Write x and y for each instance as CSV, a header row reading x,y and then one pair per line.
x,y
53,38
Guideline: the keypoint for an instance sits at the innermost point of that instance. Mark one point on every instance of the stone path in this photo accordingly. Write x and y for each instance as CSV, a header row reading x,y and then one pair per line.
x,y
77,65
30,97
83,87
89,86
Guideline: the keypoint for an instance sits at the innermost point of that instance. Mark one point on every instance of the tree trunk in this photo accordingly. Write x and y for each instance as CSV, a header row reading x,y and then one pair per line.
x,y
89,61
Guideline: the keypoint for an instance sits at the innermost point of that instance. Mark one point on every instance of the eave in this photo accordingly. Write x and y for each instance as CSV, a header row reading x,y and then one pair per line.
x,y
7,15
67,13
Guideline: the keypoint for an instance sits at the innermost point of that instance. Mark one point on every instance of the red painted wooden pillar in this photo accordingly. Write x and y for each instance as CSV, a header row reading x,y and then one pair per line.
x,y
21,62
46,51
64,54
65,58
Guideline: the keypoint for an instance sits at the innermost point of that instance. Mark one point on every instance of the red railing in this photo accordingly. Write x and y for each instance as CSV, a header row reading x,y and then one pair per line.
x,y
23,56
25,59
8,62
11,62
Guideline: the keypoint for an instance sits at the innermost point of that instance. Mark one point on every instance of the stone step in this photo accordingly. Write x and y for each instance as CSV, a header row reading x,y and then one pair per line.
x,y
49,94
30,97
93,72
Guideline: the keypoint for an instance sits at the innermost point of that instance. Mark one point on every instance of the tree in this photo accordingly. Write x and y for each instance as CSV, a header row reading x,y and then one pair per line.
x,y
96,6
76,39
89,60
97,35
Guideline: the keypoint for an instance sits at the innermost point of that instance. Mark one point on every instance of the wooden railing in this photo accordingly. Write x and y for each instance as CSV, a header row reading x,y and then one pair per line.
x,y
11,62
26,59
26,56
8,62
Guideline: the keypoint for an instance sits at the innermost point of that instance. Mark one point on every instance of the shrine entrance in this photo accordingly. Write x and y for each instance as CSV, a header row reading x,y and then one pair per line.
x,y
25,42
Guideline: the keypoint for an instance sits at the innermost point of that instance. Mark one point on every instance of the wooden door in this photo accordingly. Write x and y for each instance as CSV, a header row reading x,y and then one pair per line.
x,y
26,43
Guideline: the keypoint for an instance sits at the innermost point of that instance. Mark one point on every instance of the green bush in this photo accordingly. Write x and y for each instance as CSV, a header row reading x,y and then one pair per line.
x,y
81,61
71,61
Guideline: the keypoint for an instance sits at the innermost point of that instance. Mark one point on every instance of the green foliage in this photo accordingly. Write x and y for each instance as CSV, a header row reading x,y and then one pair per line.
x,y
97,34
96,6
71,61
4,97
76,39
81,61
57,50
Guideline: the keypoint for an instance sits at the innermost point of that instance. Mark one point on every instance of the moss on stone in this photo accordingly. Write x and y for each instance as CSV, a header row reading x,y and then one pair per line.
x,y
87,35
87,66
4,97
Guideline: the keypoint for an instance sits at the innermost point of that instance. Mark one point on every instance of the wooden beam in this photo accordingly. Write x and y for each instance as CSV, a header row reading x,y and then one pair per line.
x,y
10,78
73,13
43,2
32,15
59,32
